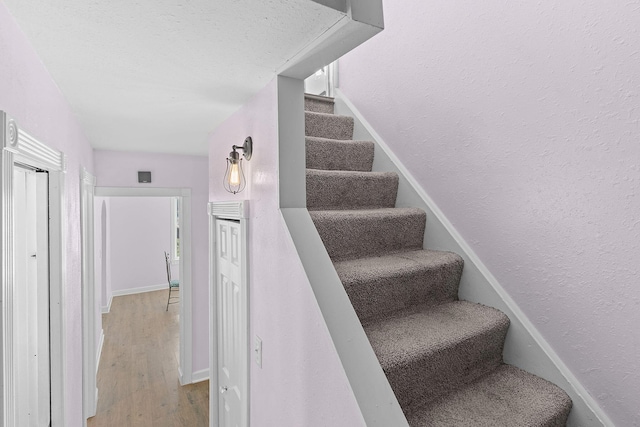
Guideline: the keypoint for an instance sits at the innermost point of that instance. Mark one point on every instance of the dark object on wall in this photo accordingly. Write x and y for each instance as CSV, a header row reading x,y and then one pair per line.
x,y
144,177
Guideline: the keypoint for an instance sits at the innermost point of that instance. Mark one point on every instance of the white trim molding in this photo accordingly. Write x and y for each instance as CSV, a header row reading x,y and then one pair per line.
x,y
237,211
18,147
140,192
139,290
87,177
199,376
229,210
185,369
174,230
99,355
106,309
89,350
28,150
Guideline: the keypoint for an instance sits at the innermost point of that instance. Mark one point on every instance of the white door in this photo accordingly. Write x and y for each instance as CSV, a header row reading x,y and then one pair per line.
x,y
32,353
232,325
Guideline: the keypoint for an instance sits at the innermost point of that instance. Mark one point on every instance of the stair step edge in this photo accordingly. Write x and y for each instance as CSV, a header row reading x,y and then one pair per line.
x,y
430,331
322,98
494,401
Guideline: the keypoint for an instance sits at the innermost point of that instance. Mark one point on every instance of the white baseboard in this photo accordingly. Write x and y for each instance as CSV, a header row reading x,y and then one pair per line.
x,y
141,289
201,375
106,309
100,345
180,376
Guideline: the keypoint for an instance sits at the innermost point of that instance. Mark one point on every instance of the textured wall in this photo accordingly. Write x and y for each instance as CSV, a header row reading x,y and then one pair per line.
x,y
140,231
301,382
119,169
28,93
521,120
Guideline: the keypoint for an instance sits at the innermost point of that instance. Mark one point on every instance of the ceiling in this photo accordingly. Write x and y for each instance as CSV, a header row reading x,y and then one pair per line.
x,y
160,75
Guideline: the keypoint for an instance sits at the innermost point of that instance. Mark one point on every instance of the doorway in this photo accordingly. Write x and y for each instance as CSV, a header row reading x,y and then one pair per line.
x,y
31,296
322,82
229,314
32,274
185,371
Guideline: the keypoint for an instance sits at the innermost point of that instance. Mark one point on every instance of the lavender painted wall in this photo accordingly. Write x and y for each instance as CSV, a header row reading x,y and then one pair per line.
x,y
29,94
140,233
301,382
119,169
521,121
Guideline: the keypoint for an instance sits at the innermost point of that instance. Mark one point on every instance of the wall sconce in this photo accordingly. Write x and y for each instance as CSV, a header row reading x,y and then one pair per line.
x,y
234,181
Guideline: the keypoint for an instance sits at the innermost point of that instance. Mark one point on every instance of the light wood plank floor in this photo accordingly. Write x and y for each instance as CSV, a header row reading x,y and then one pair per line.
x,y
138,373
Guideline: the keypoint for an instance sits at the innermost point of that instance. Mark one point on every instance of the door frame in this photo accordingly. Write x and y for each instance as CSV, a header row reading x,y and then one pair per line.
x,y
89,312
185,364
20,147
331,79
238,211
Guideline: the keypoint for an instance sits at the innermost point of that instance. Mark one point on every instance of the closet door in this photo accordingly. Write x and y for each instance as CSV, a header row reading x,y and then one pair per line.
x,y
231,291
31,293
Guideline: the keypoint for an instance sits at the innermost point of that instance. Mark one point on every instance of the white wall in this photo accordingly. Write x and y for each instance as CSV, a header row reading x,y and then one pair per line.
x,y
521,121
140,232
119,169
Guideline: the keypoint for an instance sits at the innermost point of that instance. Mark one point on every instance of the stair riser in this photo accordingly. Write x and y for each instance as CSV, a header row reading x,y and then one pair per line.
x,y
328,126
339,155
439,373
357,236
375,298
335,190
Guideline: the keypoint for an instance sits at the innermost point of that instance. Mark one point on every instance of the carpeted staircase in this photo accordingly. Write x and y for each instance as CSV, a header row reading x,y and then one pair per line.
x,y
442,356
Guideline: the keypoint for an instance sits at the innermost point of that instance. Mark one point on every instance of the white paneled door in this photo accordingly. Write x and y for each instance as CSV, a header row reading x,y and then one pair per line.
x,y
31,293
232,325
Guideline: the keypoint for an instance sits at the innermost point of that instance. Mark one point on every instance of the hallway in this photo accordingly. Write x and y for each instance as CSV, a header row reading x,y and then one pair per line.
x,y
138,372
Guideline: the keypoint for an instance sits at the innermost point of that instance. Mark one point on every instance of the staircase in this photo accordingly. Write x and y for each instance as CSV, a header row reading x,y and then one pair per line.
x,y
442,356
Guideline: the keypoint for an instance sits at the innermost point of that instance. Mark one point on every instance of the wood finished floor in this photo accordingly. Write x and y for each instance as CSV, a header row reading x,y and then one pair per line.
x,y
138,374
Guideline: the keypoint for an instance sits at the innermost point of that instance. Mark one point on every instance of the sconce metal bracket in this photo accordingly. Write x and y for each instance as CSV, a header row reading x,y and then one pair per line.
x,y
247,148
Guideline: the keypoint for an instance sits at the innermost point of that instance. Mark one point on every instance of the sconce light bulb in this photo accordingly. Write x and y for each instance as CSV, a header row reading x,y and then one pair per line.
x,y
234,180
234,174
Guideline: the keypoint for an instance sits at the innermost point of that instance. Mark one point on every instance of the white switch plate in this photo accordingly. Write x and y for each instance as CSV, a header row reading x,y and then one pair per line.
x,y
257,350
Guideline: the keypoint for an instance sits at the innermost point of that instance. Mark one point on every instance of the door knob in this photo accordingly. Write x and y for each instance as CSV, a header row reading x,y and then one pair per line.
x,y
223,390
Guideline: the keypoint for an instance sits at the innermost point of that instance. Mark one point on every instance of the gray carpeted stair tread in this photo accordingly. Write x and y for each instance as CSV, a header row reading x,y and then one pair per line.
x,y
507,397
351,189
349,234
442,357
336,154
328,125
318,103
427,352
378,286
